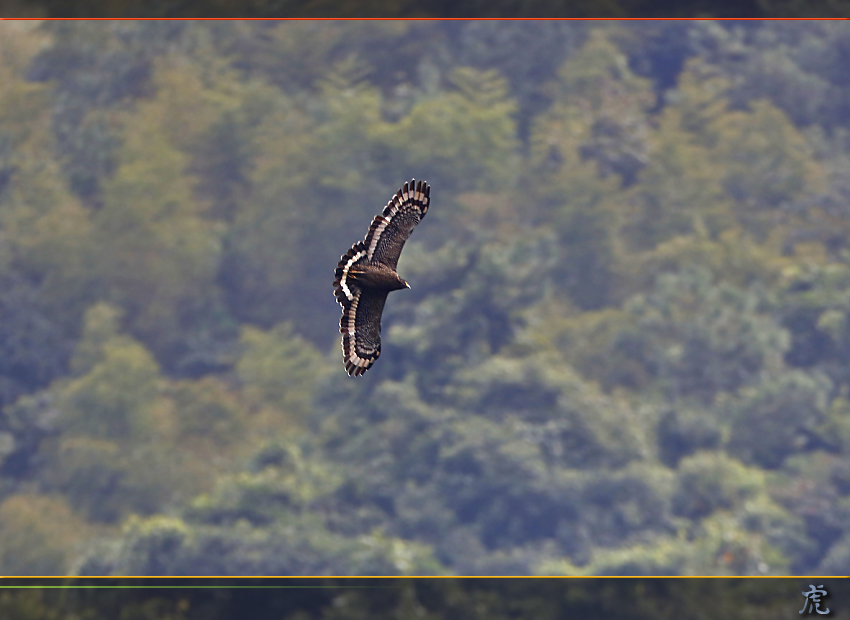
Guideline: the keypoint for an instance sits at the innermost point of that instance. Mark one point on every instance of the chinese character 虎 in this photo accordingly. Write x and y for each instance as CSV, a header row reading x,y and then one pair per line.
x,y
813,597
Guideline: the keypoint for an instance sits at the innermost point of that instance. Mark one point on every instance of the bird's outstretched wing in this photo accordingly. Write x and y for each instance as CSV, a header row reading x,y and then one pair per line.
x,y
360,324
390,230
360,327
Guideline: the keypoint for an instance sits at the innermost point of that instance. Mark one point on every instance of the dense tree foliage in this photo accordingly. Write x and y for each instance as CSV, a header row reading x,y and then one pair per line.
x,y
626,350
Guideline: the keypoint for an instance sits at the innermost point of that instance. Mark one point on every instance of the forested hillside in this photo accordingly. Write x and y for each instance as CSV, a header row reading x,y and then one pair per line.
x,y
626,350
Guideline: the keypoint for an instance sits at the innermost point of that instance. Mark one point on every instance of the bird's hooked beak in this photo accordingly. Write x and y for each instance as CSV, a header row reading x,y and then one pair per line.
x,y
406,284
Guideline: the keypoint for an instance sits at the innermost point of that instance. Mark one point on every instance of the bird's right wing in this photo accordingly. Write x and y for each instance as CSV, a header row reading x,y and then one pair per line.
x,y
360,327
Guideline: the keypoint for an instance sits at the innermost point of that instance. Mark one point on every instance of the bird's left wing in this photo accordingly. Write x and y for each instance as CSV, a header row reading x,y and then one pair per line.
x,y
390,230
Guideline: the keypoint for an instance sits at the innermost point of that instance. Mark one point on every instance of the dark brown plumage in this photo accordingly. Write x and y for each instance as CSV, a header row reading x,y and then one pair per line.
x,y
366,274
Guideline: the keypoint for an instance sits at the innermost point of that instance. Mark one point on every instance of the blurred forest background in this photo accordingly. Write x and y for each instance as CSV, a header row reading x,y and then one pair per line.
x,y
626,350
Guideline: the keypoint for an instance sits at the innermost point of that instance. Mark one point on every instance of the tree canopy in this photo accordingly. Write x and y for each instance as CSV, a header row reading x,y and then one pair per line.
x,y
625,350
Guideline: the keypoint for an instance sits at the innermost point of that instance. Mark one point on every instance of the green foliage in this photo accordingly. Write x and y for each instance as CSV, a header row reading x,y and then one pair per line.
x,y
681,432
592,140
625,351
101,481
206,409
710,481
279,369
112,399
773,421
701,338
464,138
38,535
120,423
156,254
796,68
167,546
33,348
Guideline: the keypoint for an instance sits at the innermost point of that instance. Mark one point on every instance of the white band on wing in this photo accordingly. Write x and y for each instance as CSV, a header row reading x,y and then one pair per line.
x,y
357,256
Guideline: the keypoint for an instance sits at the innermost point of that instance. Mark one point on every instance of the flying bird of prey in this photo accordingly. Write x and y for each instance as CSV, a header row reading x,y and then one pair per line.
x,y
366,274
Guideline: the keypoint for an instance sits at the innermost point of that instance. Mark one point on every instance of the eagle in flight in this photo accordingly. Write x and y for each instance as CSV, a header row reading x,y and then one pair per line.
x,y
367,273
